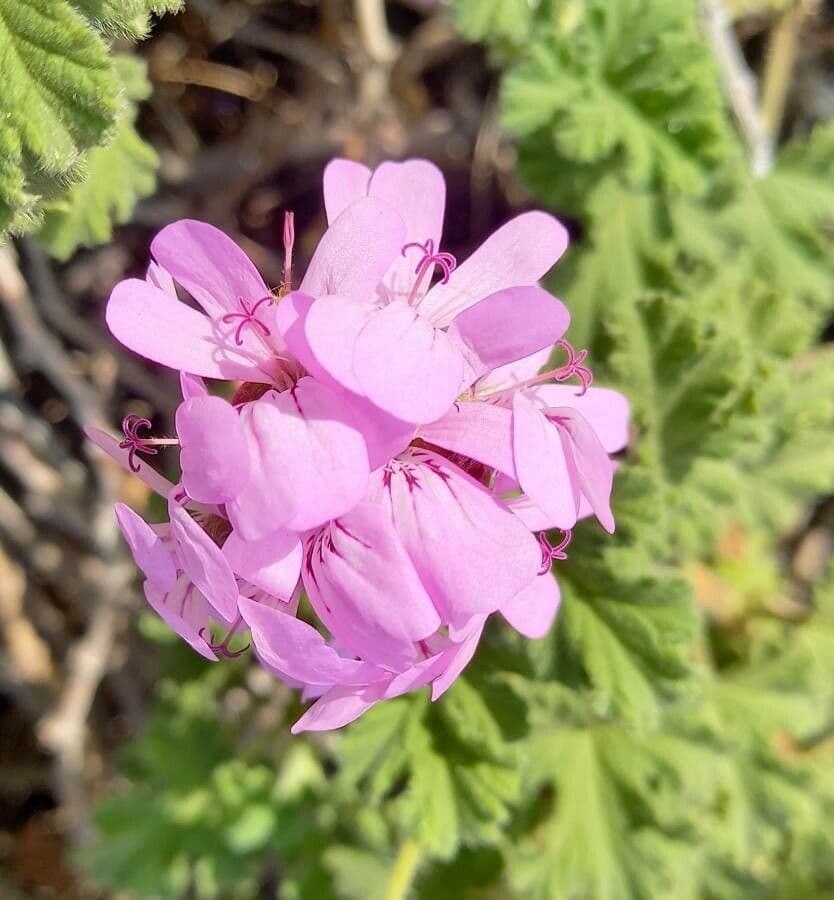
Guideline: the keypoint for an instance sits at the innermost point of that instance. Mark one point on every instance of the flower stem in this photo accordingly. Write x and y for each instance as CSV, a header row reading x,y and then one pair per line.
x,y
403,871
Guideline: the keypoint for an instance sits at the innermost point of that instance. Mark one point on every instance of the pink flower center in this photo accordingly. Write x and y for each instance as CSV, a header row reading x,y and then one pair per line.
x,y
248,316
550,553
134,443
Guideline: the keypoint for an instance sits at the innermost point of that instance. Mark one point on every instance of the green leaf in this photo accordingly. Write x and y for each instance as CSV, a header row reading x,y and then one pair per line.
x,y
782,220
128,18
494,20
118,174
630,83
629,634
691,386
602,839
445,772
357,874
61,97
375,749
429,806
617,263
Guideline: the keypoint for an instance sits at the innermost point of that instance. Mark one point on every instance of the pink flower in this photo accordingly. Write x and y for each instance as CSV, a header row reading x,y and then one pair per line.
x,y
549,442
393,449
393,343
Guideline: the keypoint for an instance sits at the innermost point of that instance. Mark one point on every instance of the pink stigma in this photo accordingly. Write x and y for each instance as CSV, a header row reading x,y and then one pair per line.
x,y
574,366
133,442
446,262
249,316
289,243
550,553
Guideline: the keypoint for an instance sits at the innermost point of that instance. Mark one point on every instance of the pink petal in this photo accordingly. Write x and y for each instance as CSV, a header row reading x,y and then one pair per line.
x,y
345,182
296,649
532,611
520,252
417,191
509,326
159,327
507,377
533,517
586,455
470,551
418,675
272,564
459,658
158,277
385,436
192,386
542,467
185,611
355,252
405,366
110,445
308,462
147,548
365,590
209,265
321,334
481,431
203,561
338,707
214,456
606,411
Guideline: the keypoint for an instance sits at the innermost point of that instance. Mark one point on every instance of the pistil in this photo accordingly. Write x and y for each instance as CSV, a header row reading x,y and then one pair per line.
x,y
573,367
551,553
134,443
446,262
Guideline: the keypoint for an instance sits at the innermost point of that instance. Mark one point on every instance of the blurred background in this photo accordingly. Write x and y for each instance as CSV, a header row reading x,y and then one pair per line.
x,y
688,148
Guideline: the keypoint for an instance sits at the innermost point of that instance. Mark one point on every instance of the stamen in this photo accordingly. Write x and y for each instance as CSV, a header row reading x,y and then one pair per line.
x,y
134,443
289,243
446,262
550,553
574,366
222,649
249,316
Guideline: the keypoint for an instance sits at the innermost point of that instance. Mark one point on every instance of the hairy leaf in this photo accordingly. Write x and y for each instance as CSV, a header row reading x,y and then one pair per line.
x,y
61,96
630,83
117,175
130,18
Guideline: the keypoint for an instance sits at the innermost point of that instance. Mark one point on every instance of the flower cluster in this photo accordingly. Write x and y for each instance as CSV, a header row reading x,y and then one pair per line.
x,y
391,446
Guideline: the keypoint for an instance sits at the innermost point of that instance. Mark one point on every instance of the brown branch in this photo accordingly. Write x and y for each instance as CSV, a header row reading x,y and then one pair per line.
x,y
780,61
739,84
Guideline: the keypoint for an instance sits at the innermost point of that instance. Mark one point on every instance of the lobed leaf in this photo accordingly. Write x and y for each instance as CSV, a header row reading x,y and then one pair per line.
x,y
61,97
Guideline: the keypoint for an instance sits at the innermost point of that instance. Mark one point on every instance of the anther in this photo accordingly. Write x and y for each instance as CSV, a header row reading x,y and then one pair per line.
x,y
446,262
550,553
134,443
248,316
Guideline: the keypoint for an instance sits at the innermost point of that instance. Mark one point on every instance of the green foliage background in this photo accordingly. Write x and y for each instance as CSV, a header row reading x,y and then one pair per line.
x,y
658,744
71,163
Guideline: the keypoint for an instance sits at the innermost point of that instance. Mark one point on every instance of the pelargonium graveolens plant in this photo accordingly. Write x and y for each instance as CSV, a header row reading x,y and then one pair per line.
x,y
392,447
